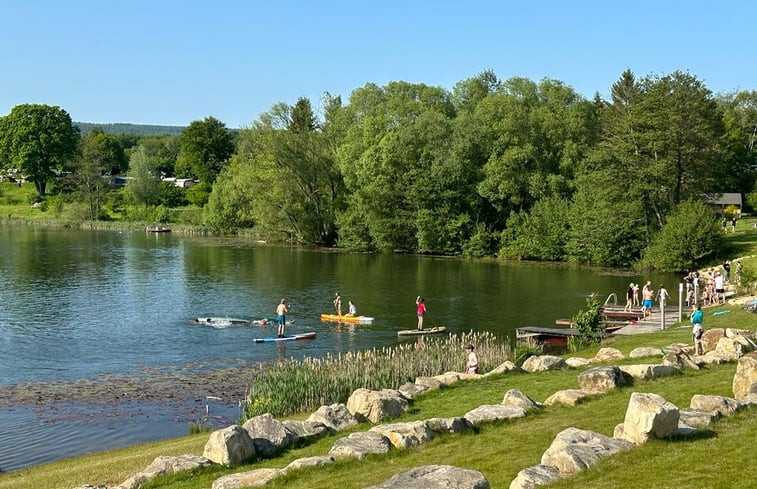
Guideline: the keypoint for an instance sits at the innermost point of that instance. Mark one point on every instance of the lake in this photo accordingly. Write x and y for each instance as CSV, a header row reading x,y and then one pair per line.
x,y
83,305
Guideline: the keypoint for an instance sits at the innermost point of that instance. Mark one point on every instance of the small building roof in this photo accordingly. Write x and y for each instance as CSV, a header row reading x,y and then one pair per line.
x,y
727,198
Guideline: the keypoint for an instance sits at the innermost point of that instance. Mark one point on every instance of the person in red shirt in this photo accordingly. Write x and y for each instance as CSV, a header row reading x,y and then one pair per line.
x,y
421,311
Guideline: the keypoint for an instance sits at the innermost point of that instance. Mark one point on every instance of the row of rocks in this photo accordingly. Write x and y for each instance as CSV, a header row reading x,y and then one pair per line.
x,y
264,436
648,416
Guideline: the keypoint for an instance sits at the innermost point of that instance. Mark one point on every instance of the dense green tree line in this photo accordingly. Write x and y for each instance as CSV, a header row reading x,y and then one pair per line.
x,y
516,168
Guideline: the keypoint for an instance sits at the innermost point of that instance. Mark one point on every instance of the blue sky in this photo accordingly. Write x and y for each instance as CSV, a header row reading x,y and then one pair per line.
x,y
172,62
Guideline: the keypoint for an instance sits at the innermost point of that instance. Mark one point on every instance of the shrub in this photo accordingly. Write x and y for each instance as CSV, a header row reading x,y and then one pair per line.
x,y
541,233
690,235
199,194
482,243
588,322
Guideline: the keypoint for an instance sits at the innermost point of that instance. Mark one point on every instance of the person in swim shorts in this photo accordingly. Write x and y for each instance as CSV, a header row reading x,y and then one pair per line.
x,y
281,311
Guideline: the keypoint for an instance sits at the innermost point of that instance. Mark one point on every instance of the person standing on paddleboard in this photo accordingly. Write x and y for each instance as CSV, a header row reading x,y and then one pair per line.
x,y
338,304
421,310
281,311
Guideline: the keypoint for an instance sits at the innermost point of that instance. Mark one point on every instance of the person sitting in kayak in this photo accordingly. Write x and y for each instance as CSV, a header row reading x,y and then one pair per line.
x,y
353,309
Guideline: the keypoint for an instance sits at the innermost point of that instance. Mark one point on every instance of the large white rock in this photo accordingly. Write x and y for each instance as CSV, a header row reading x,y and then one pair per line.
x,y
575,362
304,431
493,412
436,477
229,446
695,417
568,397
358,445
679,359
711,337
724,406
301,463
574,450
448,425
608,355
535,476
427,383
164,465
411,389
503,368
268,434
375,406
540,363
601,379
518,399
648,371
405,435
448,378
335,417
746,375
731,347
645,351
252,478
649,416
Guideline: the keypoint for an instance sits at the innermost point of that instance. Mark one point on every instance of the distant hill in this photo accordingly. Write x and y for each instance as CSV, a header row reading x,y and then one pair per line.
x,y
135,129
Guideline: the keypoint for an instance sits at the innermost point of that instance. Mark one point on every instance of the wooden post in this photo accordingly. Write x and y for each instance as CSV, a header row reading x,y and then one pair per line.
x,y
680,302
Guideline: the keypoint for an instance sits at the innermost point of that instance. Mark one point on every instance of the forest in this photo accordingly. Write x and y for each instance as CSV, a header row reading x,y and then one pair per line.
x,y
516,168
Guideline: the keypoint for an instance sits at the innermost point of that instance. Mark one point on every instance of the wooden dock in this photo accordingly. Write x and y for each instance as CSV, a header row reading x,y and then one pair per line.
x,y
540,334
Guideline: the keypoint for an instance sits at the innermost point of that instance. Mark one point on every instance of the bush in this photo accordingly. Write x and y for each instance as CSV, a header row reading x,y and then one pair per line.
x,y
482,243
541,233
690,236
171,195
199,194
588,322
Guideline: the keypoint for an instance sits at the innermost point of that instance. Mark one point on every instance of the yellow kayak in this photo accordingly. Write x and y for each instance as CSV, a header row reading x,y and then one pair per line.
x,y
347,319
416,332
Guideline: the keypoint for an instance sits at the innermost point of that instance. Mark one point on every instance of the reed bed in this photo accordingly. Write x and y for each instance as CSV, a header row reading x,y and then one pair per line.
x,y
292,386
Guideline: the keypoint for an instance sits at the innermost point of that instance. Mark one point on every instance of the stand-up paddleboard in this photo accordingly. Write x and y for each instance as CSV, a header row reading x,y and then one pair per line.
x,y
417,332
347,319
289,337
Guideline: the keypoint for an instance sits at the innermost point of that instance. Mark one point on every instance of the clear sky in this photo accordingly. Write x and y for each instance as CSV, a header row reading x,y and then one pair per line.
x,y
172,62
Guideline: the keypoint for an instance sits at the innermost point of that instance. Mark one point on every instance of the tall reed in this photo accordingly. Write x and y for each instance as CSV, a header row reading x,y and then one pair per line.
x,y
300,385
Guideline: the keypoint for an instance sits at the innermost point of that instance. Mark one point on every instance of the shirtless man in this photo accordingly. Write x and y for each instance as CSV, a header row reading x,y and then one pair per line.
x,y
471,366
646,305
281,311
338,304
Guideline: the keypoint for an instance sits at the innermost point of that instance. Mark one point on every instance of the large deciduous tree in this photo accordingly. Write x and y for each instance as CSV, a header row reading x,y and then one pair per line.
x,y
143,185
205,149
38,140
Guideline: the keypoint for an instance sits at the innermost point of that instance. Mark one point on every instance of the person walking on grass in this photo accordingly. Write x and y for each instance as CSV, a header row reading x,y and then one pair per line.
x,y
421,311
697,330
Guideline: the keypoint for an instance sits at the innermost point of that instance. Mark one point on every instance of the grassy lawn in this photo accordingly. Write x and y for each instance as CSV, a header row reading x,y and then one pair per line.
x,y
498,450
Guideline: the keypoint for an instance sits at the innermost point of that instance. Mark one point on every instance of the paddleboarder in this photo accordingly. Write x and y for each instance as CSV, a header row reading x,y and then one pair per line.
x,y
338,304
421,310
281,311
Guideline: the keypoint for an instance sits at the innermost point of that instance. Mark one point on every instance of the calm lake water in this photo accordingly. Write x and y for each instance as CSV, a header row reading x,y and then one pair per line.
x,y
77,304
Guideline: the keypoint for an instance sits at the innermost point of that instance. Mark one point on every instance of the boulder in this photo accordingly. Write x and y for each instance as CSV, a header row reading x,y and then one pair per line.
x,y
746,375
358,445
724,406
518,399
568,397
493,412
374,406
436,477
648,416
535,476
301,463
304,431
229,446
448,425
732,332
504,368
645,351
427,383
646,371
410,390
711,337
540,363
574,450
730,347
695,417
335,417
405,435
252,478
576,362
447,378
712,358
268,435
165,465
601,379
609,355
679,359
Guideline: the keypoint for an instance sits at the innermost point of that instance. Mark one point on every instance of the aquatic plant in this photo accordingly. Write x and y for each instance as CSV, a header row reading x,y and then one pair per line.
x,y
299,385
